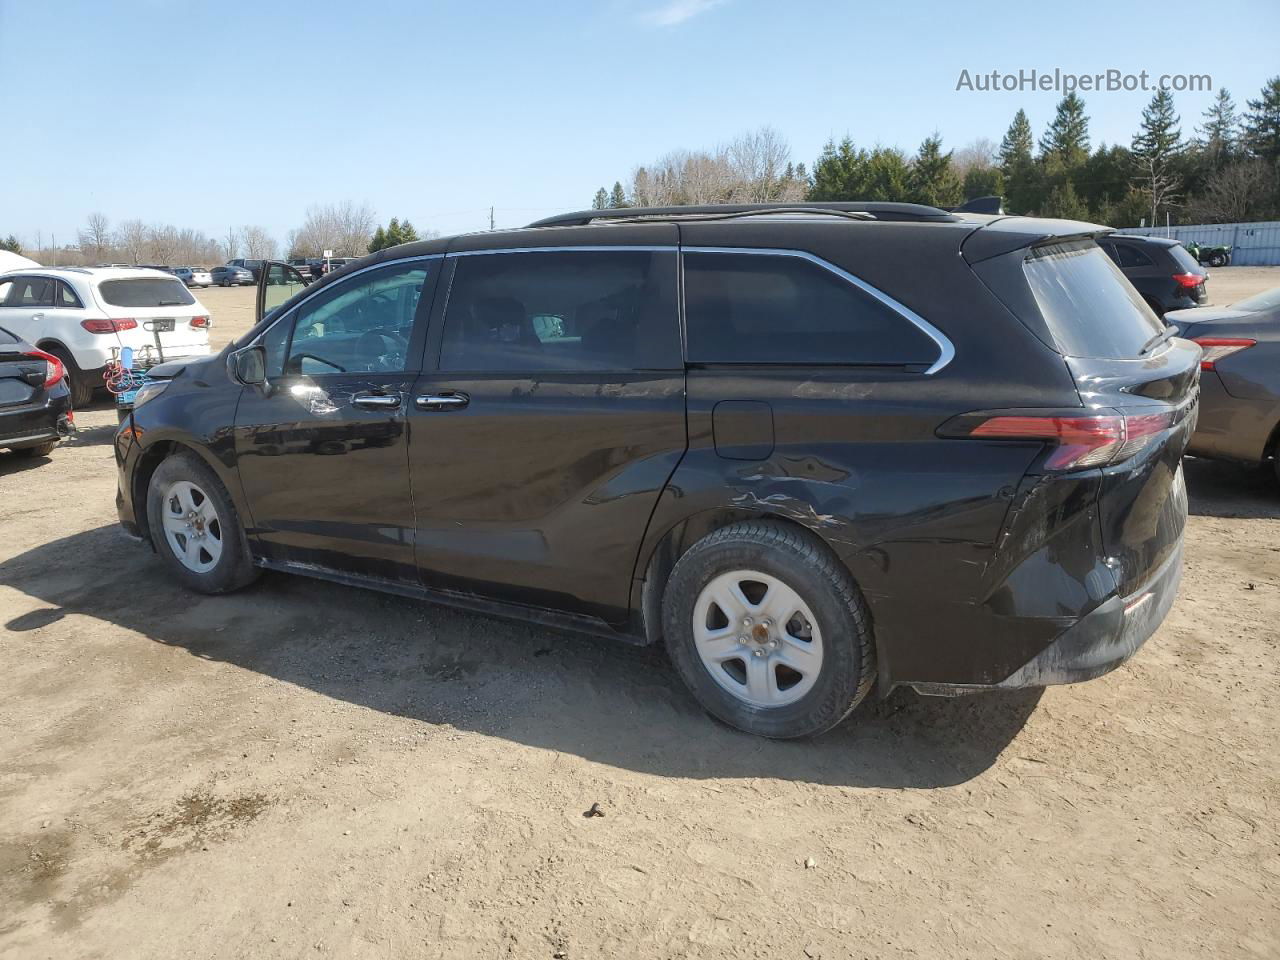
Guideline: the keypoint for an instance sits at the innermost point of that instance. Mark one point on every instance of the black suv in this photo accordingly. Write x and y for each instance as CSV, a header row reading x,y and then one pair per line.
x,y
1161,270
808,449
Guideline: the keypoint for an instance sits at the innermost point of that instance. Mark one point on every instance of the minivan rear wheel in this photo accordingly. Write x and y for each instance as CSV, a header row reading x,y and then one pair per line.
x,y
768,630
195,528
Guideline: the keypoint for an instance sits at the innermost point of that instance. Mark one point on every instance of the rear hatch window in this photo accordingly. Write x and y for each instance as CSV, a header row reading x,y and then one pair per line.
x,y
146,292
1091,310
1185,261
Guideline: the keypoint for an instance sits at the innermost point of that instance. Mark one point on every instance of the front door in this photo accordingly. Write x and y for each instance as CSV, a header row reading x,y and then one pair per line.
x,y
322,446
555,416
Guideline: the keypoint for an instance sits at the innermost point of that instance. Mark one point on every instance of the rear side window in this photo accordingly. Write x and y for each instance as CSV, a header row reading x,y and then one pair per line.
x,y
67,297
1128,256
575,310
146,292
31,292
1090,308
777,309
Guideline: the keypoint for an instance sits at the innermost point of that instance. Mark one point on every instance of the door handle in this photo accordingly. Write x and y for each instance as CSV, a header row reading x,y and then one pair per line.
x,y
442,401
376,401
37,316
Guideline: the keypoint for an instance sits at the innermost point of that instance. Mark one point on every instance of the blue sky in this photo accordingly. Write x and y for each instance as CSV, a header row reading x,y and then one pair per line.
x,y
212,115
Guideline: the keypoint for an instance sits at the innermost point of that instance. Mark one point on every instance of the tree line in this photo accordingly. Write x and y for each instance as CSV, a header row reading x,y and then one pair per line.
x,y
344,229
1226,170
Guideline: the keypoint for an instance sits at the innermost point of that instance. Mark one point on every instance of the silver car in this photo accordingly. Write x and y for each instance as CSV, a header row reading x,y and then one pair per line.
x,y
193,276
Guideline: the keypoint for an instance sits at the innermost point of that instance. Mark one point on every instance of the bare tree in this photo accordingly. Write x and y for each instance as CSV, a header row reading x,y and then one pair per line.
x,y
344,228
230,246
162,243
258,244
1235,193
753,167
131,238
979,154
1158,183
95,238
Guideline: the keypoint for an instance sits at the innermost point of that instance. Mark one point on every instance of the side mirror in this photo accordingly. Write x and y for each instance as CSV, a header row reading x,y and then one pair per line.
x,y
250,365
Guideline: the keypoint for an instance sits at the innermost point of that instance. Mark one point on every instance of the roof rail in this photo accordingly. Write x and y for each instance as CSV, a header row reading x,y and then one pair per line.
x,y
723,211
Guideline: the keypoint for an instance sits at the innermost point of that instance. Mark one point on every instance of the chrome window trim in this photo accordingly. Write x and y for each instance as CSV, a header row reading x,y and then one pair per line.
x,y
297,306
572,248
947,350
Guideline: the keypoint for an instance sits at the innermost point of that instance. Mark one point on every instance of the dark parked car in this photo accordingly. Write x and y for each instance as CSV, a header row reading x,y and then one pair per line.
x,y
1240,385
229,276
1160,269
253,266
746,432
35,402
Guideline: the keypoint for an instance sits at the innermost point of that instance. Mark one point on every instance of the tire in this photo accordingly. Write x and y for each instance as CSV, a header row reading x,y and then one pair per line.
x,y
217,558
81,383
40,450
724,674
1217,260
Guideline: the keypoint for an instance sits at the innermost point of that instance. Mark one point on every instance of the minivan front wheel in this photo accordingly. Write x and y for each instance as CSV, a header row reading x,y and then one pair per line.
x,y
195,528
768,630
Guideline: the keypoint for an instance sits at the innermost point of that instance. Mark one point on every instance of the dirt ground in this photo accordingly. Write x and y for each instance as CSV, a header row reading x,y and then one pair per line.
x,y
308,770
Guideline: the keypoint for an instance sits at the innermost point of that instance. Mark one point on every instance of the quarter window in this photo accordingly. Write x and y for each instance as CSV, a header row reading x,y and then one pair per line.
x,y
362,325
67,297
574,310
778,309
1128,256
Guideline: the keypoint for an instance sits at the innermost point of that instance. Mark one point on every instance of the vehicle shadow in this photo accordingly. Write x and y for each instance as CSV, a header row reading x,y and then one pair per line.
x,y
1230,490
605,701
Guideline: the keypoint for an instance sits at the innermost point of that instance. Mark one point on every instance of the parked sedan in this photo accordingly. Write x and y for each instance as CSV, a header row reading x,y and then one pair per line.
x,y
193,276
35,402
1239,379
230,276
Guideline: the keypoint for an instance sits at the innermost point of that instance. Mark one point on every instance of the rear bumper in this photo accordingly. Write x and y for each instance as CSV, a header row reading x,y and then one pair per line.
x,y
1097,644
33,425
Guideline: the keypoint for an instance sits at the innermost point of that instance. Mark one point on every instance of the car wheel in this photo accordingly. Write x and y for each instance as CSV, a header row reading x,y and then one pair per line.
x,y
195,528
41,450
768,630
80,383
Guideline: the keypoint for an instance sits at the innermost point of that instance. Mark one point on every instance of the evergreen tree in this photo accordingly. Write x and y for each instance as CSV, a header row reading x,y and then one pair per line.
x,y
394,233
1017,166
840,173
407,233
1105,180
1156,149
1220,131
11,244
1063,202
379,241
1067,138
931,180
618,196
601,201
983,182
1262,124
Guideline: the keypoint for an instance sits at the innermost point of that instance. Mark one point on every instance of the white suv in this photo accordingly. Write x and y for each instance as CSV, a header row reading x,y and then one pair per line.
x,y
84,315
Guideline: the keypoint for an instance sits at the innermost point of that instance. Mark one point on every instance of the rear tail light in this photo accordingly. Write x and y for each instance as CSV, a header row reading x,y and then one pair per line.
x,y
109,326
1190,280
1216,348
54,370
201,322
1079,442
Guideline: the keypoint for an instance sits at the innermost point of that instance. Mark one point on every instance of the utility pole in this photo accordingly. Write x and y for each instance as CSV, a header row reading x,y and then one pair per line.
x,y
491,218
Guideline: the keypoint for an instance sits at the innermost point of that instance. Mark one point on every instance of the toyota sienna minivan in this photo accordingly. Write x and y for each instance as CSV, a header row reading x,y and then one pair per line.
x,y
810,449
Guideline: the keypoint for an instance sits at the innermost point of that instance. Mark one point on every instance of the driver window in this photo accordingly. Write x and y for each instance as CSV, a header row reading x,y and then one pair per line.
x,y
360,326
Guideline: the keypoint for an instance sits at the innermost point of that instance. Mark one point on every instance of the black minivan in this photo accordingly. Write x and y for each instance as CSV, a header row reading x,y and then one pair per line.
x,y
809,449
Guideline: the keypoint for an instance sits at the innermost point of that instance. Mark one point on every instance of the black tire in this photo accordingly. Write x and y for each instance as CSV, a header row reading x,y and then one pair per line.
x,y
808,566
40,450
234,568
80,383
1217,260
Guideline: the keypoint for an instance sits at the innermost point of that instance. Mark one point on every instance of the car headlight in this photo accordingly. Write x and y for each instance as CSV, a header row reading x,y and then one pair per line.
x,y
149,392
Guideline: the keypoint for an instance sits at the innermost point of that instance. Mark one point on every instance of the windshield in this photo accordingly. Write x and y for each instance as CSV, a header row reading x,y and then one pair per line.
x,y
1090,308
146,292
